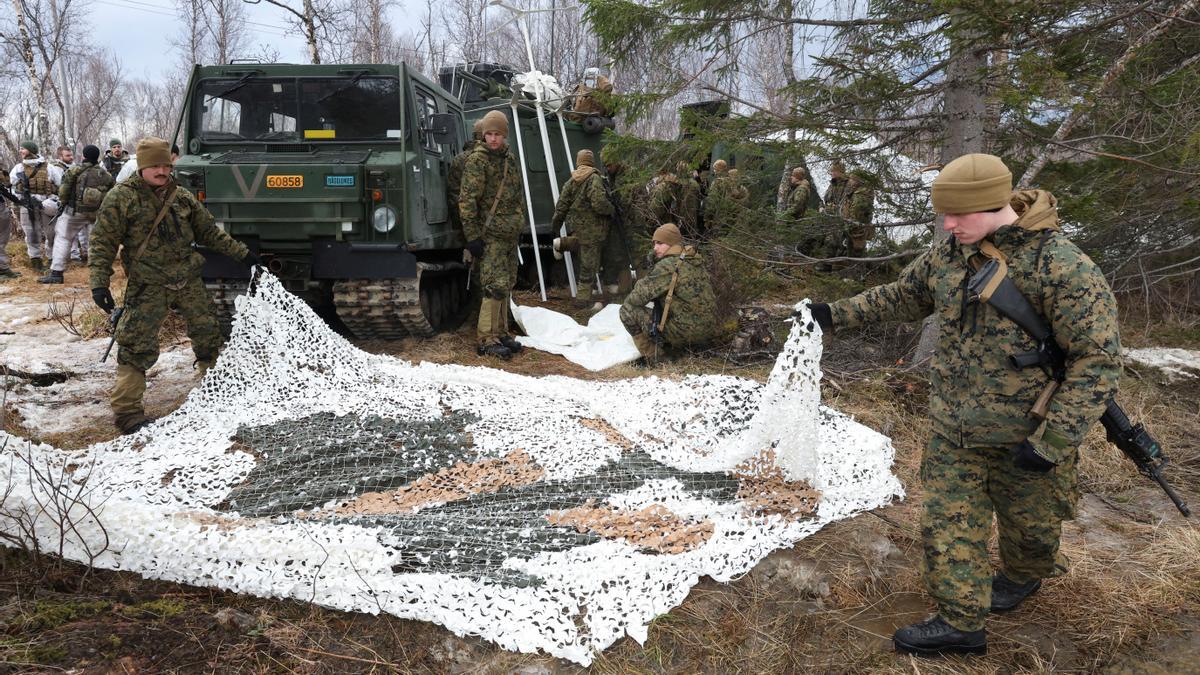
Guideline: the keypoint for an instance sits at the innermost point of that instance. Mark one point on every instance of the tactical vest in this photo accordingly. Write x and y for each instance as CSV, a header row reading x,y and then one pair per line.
x,y
90,187
38,178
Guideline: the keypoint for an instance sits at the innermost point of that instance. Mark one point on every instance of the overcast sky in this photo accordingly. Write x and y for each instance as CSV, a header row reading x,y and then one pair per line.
x,y
142,32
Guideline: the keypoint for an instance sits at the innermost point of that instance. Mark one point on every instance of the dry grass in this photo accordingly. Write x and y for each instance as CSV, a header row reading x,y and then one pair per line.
x,y
1133,583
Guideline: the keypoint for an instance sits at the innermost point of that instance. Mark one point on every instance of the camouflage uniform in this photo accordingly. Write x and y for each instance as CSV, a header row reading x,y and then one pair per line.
x,y
76,220
725,201
481,184
113,163
585,207
692,317
166,276
43,180
6,228
676,199
833,196
627,228
858,207
980,405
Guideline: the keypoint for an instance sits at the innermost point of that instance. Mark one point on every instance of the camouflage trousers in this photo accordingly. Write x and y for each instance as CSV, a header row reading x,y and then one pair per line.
x,y
591,252
636,319
616,257
497,276
145,310
964,487
39,230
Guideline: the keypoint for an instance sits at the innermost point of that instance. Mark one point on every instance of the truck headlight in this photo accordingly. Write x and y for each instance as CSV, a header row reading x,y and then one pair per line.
x,y
383,219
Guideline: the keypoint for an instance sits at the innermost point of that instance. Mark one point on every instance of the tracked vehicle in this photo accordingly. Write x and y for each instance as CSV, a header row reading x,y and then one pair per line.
x,y
335,176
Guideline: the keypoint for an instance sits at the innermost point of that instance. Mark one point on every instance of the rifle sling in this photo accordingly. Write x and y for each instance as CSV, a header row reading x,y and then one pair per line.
x,y
496,202
662,324
162,212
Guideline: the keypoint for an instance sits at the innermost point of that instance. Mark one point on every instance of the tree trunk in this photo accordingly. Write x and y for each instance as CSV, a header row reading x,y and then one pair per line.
x,y
41,120
964,111
310,32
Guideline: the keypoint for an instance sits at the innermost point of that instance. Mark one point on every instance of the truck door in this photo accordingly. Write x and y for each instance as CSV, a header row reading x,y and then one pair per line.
x,y
432,163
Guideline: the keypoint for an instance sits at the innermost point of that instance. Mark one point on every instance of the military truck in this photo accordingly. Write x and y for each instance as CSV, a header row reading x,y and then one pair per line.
x,y
335,176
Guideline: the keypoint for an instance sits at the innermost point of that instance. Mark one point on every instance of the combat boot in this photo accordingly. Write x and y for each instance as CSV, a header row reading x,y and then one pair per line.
x,y
9,273
647,348
35,264
126,399
54,277
935,636
510,343
495,349
1008,594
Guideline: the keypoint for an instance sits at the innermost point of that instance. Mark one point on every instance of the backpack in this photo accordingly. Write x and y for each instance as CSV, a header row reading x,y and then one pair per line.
x,y
90,187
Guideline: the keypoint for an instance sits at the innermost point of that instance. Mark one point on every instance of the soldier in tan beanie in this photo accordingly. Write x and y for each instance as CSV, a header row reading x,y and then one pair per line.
x,y
491,203
682,294
988,457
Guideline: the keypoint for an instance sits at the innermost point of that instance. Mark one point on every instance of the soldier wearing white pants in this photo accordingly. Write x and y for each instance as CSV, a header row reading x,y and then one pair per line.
x,y
34,178
81,193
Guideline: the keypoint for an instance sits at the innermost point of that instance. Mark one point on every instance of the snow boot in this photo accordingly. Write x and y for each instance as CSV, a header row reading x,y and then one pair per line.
x,y
54,277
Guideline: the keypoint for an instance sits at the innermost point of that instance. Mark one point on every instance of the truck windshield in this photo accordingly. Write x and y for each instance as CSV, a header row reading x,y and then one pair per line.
x,y
353,107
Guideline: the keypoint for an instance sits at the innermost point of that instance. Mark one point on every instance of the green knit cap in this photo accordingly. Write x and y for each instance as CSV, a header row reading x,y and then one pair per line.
x,y
30,146
114,141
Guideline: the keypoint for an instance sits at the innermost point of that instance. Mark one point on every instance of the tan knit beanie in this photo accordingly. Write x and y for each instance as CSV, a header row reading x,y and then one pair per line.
x,y
799,173
972,183
152,151
585,158
494,121
720,166
668,234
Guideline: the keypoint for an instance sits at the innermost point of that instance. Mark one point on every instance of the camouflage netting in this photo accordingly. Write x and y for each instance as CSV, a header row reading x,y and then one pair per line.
x,y
540,513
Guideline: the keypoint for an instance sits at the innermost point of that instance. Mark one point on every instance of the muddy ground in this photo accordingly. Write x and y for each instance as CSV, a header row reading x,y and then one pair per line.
x,y
1130,602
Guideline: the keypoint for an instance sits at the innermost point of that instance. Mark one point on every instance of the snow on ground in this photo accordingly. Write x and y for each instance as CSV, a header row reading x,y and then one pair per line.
x,y
1176,363
32,342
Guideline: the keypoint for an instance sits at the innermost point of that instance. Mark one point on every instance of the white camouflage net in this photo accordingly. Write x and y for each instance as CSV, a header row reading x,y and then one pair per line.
x,y
545,513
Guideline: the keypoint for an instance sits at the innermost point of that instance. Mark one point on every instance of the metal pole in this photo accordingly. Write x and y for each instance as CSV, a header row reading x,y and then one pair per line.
x,y
528,202
546,150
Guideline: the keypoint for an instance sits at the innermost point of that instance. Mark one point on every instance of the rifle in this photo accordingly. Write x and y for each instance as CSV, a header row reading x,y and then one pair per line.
x,y
26,201
1134,441
113,321
656,315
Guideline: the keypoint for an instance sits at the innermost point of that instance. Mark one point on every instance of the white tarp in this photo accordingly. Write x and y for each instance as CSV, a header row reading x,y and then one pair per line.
x,y
602,343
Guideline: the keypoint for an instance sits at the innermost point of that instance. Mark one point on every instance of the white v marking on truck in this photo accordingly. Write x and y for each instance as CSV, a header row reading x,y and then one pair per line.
x,y
249,191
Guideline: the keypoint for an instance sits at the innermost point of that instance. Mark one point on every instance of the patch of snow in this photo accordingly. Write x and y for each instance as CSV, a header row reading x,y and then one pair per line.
x,y
1176,363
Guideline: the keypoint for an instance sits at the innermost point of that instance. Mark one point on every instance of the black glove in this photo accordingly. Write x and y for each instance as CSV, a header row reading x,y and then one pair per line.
x,y
103,299
475,246
251,261
822,315
1025,457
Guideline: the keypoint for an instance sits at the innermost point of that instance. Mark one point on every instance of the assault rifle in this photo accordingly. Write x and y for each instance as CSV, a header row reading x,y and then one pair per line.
x,y
656,315
113,321
1133,440
27,201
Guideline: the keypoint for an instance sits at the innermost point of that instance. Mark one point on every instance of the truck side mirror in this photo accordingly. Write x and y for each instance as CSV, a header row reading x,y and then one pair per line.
x,y
444,129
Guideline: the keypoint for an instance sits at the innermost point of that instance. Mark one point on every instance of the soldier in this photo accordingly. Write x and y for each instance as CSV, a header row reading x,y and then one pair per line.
x,y
627,232
64,158
584,206
37,181
676,199
154,222
799,197
725,200
987,454
684,304
130,168
591,97
837,188
858,207
81,194
6,227
115,157
492,203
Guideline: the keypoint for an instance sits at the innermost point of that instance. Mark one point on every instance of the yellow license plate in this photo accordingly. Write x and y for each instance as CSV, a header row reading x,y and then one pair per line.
x,y
285,181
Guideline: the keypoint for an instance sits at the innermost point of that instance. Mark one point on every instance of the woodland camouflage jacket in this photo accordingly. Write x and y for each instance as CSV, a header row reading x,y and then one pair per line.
x,y
977,399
